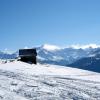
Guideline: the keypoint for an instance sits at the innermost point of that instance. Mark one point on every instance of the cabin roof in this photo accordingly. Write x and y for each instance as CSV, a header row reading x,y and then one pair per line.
x,y
27,52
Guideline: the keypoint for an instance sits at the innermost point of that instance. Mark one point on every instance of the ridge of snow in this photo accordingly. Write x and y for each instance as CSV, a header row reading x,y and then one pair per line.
x,y
75,46
7,51
78,46
46,69
50,47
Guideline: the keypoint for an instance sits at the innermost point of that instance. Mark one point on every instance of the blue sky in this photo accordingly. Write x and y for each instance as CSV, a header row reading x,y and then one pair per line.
x,y
60,22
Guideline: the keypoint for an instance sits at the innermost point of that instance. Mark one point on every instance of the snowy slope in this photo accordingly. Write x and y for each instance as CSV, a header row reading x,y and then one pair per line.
x,y
22,81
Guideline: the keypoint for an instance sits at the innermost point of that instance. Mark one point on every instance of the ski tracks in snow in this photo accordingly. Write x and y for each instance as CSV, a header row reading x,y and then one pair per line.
x,y
14,86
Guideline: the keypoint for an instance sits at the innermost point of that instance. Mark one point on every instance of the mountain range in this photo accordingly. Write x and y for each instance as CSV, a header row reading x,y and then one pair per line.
x,y
85,57
89,63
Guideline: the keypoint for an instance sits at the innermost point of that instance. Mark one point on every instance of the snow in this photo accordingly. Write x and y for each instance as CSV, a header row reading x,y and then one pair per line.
x,y
78,46
41,58
74,46
57,58
7,51
50,47
19,80
41,69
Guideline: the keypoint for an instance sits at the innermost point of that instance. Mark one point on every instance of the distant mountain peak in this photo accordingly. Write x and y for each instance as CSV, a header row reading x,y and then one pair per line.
x,y
50,47
78,46
7,51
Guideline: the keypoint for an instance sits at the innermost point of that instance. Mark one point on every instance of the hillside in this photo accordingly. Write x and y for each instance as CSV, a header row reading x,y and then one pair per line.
x,y
23,81
88,63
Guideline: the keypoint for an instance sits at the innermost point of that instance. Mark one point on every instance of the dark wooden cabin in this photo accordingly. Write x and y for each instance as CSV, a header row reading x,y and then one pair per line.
x,y
28,55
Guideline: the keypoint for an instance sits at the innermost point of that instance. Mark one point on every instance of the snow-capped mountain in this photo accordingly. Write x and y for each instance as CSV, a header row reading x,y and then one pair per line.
x,y
78,46
89,63
4,55
64,56
52,54
50,47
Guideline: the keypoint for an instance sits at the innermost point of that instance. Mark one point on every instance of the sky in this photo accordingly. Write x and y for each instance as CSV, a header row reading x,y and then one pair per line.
x,y
60,22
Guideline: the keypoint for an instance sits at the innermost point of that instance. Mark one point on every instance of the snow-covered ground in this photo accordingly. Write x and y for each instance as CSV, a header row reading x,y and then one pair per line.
x,y
22,81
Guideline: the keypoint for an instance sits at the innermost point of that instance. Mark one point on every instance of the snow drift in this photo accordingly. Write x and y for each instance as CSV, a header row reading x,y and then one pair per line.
x,y
23,81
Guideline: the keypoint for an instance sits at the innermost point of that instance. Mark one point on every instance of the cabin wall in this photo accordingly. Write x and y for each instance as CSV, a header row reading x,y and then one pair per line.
x,y
31,59
28,55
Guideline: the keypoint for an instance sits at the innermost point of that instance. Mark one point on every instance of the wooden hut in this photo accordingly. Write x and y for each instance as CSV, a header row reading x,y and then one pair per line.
x,y
28,55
